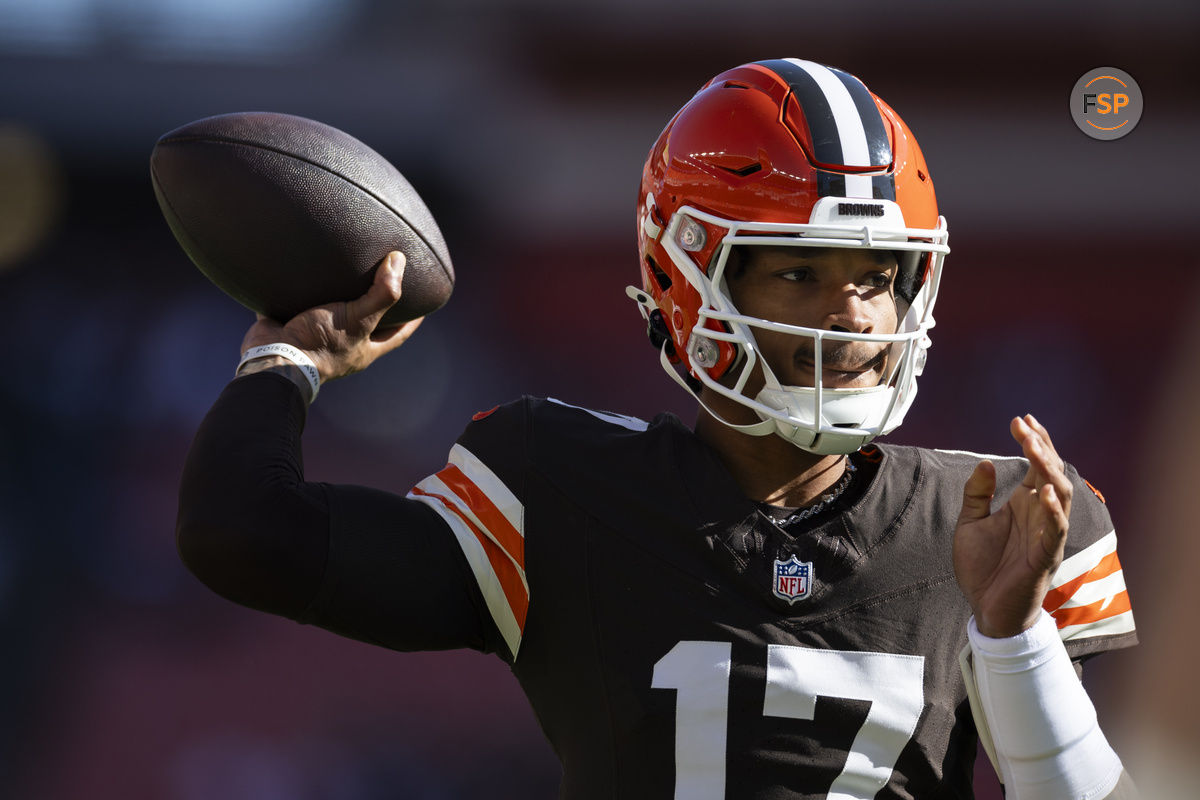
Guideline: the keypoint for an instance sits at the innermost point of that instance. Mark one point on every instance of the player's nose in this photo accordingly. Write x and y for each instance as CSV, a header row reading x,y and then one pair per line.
x,y
847,312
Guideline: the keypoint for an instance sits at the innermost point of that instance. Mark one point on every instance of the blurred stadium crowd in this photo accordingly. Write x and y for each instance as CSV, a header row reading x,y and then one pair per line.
x,y
1071,292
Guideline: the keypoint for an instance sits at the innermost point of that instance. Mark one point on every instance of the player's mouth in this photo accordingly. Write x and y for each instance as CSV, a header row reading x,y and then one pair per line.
x,y
843,370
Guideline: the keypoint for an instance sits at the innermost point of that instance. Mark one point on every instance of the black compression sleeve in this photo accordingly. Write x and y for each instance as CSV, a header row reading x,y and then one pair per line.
x,y
397,577
361,562
249,526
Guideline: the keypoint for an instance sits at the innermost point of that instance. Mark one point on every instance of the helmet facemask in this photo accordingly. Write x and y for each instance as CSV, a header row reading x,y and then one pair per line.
x,y
816,418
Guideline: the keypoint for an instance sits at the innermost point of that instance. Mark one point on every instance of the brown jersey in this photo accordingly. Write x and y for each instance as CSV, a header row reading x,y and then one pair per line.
x,y
675,642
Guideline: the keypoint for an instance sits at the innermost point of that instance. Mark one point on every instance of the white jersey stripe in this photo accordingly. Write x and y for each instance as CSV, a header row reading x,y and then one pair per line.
x,y
1112,626
1085,560
853,136
980,456
491,485
630,423
434,485
485,576
1098,591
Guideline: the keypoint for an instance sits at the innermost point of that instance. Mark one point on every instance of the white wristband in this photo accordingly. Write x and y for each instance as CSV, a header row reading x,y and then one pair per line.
x,y
1042,721
289,353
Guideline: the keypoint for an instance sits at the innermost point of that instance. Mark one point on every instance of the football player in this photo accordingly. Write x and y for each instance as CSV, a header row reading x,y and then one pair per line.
x,y
766,604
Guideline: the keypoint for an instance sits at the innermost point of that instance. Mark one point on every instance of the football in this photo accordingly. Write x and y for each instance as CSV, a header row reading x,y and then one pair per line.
x,y
284,213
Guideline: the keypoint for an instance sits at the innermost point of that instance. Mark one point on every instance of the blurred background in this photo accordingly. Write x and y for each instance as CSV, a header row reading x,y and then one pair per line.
x,y
1072,292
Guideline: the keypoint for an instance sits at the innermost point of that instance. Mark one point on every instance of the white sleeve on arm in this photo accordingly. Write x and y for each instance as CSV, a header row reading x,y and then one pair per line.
x,y
1041,721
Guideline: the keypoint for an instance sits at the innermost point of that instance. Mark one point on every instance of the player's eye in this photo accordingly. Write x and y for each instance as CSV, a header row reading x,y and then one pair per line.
x,y
877,280
797,274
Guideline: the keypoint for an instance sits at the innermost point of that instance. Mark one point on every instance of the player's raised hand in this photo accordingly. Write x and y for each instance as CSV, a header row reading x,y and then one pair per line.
x,y
341,337
1004,560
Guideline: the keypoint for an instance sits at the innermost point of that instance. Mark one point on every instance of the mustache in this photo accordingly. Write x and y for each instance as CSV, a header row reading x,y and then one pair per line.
x,y
845,357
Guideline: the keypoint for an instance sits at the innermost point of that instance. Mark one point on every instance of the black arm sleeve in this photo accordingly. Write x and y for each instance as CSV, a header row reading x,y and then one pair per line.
x,y
361,562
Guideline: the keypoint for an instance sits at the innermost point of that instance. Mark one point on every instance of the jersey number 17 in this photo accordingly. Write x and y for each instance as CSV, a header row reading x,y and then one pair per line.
x,y
796,677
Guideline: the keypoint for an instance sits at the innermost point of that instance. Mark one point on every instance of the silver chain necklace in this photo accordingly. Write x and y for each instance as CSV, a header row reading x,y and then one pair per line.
x,y
827,499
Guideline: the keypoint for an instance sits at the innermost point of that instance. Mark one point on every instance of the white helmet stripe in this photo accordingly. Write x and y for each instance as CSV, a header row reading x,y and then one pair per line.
x,y
851,131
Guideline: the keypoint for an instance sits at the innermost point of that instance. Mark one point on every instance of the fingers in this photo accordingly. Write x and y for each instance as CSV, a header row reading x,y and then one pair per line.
x,y
1039,449
343,337
1052,504
368,309
1044,436
978,493
387,291
1047,474
1053,539
1025,435
388,339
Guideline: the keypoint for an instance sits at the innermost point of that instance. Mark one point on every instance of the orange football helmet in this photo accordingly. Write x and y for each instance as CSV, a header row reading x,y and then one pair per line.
x,y
785,152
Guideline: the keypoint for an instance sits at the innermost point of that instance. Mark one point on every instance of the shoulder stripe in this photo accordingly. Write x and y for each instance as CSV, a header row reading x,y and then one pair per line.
x,y
1102,588
1087,595
1062,591
1086,560
492,488
1093,612
500,580
457,489
1112,626
488,521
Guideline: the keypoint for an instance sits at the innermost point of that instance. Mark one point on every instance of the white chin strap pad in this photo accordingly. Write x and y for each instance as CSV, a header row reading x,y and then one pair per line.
x,y
855,409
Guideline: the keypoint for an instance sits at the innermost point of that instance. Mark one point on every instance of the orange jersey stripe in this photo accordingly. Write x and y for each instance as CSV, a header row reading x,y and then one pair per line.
x,y
492,518
506,571
1083,615
1056,597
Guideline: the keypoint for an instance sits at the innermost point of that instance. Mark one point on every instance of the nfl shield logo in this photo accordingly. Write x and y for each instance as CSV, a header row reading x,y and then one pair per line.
x,y
793,579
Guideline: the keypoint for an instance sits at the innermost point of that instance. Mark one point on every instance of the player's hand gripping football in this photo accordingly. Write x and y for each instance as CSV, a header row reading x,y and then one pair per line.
x,y
1004,560
340,337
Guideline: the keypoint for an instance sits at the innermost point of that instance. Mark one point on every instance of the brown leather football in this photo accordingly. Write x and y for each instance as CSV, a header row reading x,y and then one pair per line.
x,y
285,213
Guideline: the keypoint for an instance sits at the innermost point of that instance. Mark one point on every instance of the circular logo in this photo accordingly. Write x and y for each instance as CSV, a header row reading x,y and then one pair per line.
x,y
1106,103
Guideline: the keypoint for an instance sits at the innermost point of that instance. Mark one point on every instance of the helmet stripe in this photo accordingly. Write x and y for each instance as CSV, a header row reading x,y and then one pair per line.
x,y
818,112
883,187
878,147
844,123
831,184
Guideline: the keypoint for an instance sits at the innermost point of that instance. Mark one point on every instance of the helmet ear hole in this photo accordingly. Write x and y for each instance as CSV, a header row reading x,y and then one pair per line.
x,y
661,278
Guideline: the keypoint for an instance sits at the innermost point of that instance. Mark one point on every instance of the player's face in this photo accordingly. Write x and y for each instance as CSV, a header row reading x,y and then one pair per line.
x,y
835,289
